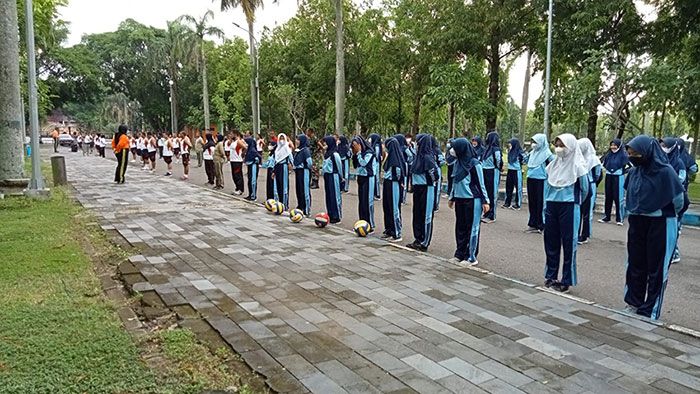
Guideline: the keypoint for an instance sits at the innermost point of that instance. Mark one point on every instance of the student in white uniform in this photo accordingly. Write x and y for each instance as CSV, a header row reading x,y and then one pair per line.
x,y
168,154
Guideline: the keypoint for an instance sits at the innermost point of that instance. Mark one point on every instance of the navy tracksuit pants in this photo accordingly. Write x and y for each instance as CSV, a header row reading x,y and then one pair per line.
x,y
334,202
514,183
535,203
561,226
614,193
467,227
270,185
302,186
492,177
252,181
423,208
391,204
365,195
650,244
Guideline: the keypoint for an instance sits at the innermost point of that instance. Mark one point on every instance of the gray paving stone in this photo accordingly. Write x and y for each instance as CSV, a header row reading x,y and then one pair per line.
x,y
426,366
467,370
504,373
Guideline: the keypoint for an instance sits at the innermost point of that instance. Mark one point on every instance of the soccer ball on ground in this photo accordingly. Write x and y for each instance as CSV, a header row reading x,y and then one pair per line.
x,y
321,220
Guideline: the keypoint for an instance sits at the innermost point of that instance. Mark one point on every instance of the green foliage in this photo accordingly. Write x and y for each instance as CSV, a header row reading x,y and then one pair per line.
x,y
229,82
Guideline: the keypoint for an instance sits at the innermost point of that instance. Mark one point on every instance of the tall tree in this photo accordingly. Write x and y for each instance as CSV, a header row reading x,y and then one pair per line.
x,y
202,29
10,113
174,49
339,68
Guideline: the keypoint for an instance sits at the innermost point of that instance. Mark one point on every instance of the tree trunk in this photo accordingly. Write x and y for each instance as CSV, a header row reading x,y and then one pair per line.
x,y
526,93
415,126
253,85
696,130
11,118
451,114
173,108
653,123
205,89
661,121
644,121
623,119
399,108
592,125
339,68
494,70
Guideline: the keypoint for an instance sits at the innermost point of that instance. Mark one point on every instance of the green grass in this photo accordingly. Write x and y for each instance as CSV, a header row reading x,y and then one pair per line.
x,y
59,333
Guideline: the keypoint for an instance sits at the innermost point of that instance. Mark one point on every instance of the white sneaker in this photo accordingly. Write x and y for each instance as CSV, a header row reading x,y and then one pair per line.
x,y
454,260
395,240
620,224
472,263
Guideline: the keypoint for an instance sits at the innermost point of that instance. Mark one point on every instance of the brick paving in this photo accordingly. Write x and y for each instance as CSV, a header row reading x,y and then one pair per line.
x,y
319,310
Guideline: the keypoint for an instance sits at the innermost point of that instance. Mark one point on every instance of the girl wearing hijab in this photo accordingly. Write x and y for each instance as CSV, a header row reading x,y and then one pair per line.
x,y
450,161
363,160
440,160
567,187
615,163
407,159
539,157
332,176
410,154
283,163
469,199
375,142
424,179
394,178
654,199
270,189
672,150
302,171
478,146
345,155
492,163
252,159
595,174
120,146
514,179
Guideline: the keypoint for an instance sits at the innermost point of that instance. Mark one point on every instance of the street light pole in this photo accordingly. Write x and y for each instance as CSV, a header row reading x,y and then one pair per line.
x,y
36,183
173,121
549,69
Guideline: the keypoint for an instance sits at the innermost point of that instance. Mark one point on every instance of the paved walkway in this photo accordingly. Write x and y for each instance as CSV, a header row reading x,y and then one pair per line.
x,y
320,310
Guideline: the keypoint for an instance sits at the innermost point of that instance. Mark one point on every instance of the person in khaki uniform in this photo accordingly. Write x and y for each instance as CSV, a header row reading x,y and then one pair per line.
x,y
219,161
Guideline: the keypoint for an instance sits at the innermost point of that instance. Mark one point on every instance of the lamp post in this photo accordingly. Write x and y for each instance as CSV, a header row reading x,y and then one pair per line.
x,y
255,83
173,119
36,184
548,70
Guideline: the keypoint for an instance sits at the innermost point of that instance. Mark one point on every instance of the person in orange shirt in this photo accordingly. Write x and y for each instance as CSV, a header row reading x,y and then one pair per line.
x,y
120,145
54,135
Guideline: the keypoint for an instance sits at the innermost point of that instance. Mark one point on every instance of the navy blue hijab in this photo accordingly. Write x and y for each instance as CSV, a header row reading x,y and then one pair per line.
x,y
466,159
479,148
343,147
674,156
401,139
654,184
615,161
491,146
251,154
395,155
376,142
303,152
685,157
331,146
425,156
436,147
515,150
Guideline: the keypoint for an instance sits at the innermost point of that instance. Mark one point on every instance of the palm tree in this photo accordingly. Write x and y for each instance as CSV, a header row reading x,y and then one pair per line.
x,y
173,50
249,7
201,30
339,68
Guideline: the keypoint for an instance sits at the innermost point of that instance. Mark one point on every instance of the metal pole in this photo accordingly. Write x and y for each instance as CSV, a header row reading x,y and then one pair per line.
x,y
173,121
37,181
257,91
549,69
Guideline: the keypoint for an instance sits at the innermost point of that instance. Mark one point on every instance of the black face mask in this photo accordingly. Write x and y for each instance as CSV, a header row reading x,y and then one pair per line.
x,y
638,161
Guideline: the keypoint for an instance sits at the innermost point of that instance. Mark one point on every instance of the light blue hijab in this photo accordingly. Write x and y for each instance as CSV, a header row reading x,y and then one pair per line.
x,y
540,153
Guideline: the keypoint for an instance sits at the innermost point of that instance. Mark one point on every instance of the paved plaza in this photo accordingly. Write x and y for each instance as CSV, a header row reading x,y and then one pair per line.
x,y
319,310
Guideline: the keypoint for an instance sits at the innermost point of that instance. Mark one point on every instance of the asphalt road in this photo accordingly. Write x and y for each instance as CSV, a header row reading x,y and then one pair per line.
x,y
507,250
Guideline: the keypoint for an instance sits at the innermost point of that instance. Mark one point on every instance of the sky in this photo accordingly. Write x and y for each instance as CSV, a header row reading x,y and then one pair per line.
x,y
98,16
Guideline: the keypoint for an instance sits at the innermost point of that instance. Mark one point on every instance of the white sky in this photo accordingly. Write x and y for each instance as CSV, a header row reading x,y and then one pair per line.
x,y
98,16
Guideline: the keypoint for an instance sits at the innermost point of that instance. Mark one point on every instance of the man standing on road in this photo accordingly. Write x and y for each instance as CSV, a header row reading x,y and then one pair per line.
x,y
219,160
199,148
54,135
316,155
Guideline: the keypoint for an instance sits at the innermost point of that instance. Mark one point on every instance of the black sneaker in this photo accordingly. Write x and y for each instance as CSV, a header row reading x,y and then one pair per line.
x,y
549,283
561,288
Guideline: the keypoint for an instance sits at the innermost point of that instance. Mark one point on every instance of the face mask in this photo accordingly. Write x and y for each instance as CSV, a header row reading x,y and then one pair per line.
x,y
638,161
667,150
270,147
408,140
614,150
560,151
534,145
452,152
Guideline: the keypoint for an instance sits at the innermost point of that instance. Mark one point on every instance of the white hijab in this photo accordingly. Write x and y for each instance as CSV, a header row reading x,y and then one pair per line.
x,y
565,170
588,152
282,151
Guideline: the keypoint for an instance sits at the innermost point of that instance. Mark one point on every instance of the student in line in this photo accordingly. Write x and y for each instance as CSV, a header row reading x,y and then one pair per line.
x,y
161,142
207,157
672,150
595,175
302,174
450,161
253,158
332,177
375,142
478,145
616,163
219,161
168,155
410,154
269,164
237,148
469,199
424,179
132,144
567,186
363,161
394,178
654,198
492,163
408,159
538,159
151,149
283,164
345,156
120,146
176,146
198,148
514,177
691,168
440,160
186,146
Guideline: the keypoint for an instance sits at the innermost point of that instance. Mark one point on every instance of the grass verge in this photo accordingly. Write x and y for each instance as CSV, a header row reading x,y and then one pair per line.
x,y
59,333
